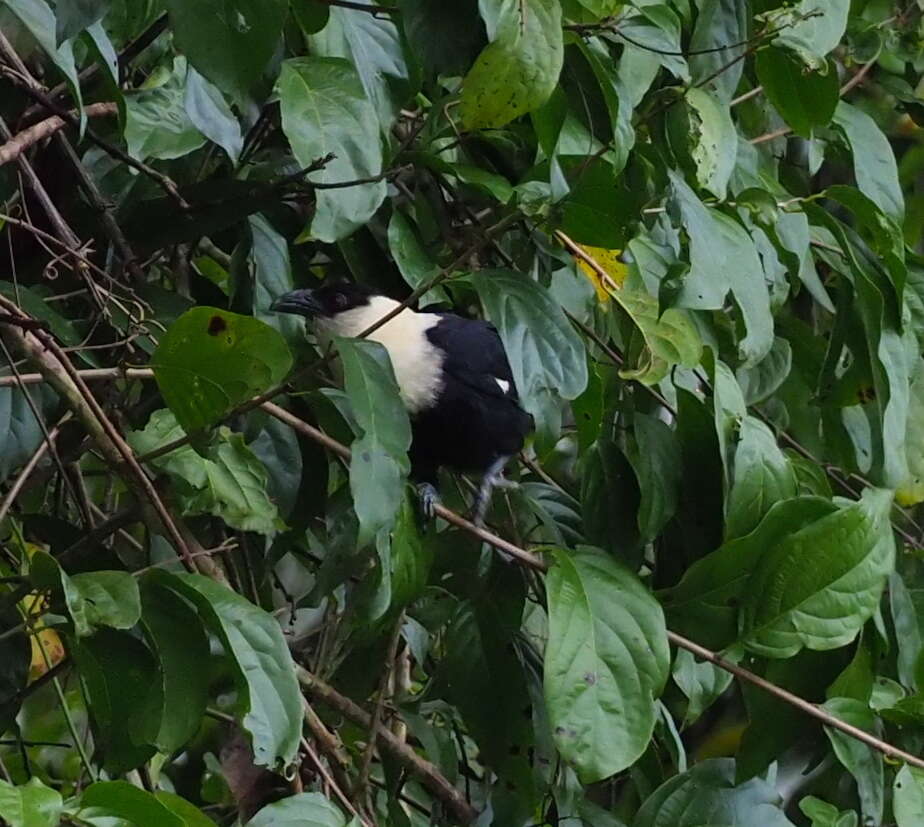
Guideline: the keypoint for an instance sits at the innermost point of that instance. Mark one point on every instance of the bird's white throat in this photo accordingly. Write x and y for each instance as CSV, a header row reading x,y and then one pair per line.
x,y
417,363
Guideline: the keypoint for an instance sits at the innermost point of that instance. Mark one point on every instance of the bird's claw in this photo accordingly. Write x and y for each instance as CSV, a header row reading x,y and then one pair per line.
x,y
429,499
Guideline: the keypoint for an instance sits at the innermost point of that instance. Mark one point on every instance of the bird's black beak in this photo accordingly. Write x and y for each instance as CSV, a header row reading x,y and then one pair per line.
x,y
302,302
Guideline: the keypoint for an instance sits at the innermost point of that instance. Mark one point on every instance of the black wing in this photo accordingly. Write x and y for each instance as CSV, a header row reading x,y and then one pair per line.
x,y
474,355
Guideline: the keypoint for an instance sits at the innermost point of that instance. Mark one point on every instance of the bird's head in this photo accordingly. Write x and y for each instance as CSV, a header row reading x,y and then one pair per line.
x,y
324,303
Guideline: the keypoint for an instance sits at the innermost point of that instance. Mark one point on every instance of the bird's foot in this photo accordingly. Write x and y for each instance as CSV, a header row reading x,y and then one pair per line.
x,y
429,499
493,478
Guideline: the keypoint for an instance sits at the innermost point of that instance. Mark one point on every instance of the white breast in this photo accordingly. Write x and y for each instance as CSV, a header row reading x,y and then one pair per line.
x,y
416,361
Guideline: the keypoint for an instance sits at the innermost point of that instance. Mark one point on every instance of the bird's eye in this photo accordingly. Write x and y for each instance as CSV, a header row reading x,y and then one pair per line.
x,y
340,301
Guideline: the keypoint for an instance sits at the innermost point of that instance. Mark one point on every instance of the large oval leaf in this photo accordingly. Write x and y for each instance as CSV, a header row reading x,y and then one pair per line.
x,y
707,794
546,355
518,70
211,360
269,701
228,41
379,461
605,663
302,810
819,585
325,110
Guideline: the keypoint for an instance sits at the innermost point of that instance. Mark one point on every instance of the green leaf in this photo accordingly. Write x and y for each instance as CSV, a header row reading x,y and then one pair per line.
x,y
606,662
722,258
805,99
873,160
20,432
819,585
599,207
157,122
301,810
93,600
546,355
764,379
42,24
720,24
230,43
415,263
762,477
704,604
15,655
655,457
230,482
269,703
30,805
211,360
271,268
379,464
485,680
372,44
517,72
827,815
610,498
176,702
707,794
700,681
105,598
116,670
119,799
816,29
325,110
193,816
861,761
73,16
445,37
911,491
670,336
209,113
908,796
702,129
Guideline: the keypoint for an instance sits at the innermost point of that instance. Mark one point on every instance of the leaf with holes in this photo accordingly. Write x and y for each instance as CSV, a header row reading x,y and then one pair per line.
x,y
211,360
670,337
519,69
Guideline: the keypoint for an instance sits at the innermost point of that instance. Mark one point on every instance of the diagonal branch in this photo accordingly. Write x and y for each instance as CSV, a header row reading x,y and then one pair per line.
x,y
30,136
455,803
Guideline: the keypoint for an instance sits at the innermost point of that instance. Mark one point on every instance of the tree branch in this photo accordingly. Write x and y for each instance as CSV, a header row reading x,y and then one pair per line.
x,y
30,136
454,802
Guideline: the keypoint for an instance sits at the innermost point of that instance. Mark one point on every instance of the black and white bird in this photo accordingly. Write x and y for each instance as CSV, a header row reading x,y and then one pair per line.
x,y
453,377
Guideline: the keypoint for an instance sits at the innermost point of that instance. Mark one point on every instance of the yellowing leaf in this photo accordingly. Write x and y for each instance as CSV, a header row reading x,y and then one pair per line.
x,y
610,262
33,607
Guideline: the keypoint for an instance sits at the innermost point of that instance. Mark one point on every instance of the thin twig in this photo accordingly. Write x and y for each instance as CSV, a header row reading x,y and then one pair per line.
x,y
461,811
37,93
850,84
30,136
366,764
64,377
126,56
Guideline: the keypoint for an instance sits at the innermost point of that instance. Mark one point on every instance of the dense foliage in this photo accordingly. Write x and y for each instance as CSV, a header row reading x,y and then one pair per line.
x,y
697,226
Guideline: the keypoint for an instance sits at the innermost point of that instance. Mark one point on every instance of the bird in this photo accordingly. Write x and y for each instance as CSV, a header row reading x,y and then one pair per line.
x,y
453,377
